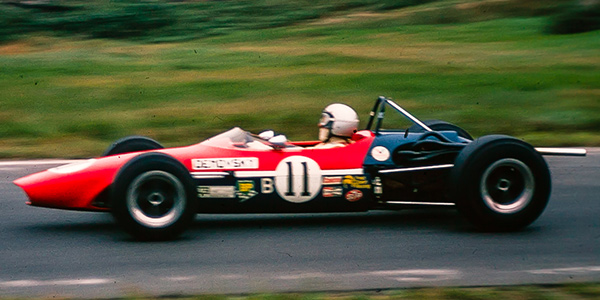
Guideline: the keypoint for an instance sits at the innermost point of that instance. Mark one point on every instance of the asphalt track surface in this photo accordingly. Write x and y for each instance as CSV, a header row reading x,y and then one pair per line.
x,y
53,253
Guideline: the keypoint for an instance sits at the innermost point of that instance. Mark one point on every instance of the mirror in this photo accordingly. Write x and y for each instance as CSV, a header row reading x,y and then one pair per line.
x,y
278,140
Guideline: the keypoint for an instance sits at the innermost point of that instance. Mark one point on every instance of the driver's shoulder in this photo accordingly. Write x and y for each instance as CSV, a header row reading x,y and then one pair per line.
x,y
332,144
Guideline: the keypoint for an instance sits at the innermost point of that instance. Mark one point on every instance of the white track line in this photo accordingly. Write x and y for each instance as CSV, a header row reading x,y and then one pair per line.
x,y
400,275
417,275
9,163
574,270
66,282
414,275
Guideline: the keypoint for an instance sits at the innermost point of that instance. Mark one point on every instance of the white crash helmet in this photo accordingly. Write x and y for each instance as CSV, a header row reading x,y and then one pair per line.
x,y
337,120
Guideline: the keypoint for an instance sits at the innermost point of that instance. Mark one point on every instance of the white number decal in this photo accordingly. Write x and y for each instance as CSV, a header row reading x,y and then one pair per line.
x,y
298,179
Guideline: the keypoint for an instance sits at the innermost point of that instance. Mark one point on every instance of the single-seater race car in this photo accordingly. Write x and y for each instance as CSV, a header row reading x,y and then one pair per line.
x,y
499,183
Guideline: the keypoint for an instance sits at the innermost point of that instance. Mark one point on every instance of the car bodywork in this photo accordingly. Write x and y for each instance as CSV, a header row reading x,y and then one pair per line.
x,y
230,177
238,172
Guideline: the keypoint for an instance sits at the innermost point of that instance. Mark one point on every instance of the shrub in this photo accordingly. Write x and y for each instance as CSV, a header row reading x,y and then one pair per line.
x,y
157,21
576,20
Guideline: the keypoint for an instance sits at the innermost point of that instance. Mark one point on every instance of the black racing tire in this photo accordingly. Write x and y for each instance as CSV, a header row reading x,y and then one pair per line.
x,y
132,144
439,125
153,197
500,183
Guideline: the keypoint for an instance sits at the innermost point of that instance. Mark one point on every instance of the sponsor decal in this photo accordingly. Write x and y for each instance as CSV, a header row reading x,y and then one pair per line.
x,y
216,191
380,153
354,195
266,185
332,191
377,181
225,163
378,186
357,182
245,190
332,180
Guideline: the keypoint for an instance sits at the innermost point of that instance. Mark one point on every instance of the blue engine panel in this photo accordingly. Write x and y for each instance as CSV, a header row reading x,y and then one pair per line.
x,y
390,140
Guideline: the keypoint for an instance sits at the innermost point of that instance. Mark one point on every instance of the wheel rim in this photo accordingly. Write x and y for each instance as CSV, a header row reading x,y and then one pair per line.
x,y
507,186
156,199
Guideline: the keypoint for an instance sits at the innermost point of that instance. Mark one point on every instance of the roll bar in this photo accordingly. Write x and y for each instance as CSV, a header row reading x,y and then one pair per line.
x,y
378,112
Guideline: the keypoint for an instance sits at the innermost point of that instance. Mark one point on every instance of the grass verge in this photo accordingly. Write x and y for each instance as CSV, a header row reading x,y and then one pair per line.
x,y
521,292
71,97
540,292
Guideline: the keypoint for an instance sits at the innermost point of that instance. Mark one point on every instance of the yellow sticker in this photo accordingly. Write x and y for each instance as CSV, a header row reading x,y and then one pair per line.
x,y
357,182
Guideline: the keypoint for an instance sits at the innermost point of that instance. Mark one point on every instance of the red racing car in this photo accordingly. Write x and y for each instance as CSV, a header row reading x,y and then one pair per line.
x,y
497,182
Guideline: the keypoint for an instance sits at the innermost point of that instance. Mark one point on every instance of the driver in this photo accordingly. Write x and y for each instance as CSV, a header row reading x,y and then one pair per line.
x,y
337,125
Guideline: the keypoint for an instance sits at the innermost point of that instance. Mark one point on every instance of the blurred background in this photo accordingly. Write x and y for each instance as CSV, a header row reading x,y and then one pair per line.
x,y
77,75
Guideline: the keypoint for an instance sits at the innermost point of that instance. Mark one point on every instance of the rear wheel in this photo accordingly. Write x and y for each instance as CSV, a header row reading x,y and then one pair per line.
x,y
154,197
500,183
439,125
132,144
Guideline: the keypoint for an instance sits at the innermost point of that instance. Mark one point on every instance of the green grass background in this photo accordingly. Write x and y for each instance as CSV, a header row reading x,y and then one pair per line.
x,y
571,291
488,66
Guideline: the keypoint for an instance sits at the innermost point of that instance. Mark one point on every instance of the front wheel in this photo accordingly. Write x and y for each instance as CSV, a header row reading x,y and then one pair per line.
x,y
500,183
153,197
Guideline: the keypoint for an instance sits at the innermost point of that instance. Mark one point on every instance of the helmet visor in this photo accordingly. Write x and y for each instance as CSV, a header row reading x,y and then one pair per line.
x,y
326,120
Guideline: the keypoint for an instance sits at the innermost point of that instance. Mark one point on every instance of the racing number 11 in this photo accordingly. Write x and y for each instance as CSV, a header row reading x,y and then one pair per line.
x,y
290,190
298,179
